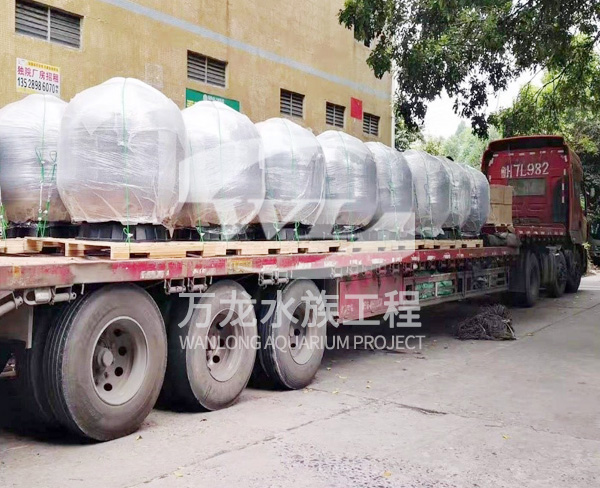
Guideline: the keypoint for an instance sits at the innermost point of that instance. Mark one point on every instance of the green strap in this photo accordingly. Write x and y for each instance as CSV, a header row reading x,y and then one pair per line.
x,y
296,224
223,231
393,194
199,228
350,190
3,221
427,193
125,157
44,207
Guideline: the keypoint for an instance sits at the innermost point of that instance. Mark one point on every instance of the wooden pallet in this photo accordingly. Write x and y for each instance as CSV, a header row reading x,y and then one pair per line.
x,y
180,249
123,250
163,250
469,244
13,246
318,247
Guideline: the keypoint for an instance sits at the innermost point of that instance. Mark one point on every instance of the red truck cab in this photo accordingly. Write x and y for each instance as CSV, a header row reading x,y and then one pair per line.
x,y
547,180
548,210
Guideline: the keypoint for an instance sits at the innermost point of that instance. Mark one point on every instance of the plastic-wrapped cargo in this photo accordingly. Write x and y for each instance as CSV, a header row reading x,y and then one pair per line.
x,y
460,194
225,169
395,213
431,184
295,173
121,145
29,158
351,185
480,202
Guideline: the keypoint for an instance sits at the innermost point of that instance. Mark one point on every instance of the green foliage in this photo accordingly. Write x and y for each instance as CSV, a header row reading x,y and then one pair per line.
x,y
470,47
405,137
431,145
567,103
463,146
466,147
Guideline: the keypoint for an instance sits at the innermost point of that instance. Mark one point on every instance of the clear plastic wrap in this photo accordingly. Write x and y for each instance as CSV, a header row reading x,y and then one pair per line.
x,y
295,173
460,194
480,202
29,132
395,212
351,184
121,146
225,169
432,192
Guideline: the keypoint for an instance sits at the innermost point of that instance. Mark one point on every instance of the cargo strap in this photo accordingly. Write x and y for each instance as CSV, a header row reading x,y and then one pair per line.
x,y
3,221
294,164
350,187
125,156
393,193
44,206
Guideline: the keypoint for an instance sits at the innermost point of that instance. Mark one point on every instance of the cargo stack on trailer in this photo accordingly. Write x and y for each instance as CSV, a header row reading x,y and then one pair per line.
x,y
96,327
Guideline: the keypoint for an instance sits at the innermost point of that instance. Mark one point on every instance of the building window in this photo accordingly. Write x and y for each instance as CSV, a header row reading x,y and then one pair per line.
x,y
335,115
371,124
291,103
50,24
206,70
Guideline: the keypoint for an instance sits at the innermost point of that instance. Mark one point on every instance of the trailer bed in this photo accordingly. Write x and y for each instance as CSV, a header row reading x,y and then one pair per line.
x,y
21,272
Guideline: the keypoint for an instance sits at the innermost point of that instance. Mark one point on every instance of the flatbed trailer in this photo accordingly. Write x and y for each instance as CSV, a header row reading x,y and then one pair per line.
x,y
94,341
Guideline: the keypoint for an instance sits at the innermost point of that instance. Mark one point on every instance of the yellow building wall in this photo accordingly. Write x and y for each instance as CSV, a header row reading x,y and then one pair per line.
x,y
296,45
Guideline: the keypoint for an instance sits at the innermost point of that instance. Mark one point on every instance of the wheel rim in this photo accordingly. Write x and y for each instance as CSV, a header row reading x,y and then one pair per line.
x,y
224,350
119,360
301,334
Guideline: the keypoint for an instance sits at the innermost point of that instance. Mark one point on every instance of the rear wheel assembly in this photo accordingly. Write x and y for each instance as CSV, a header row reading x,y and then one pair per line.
x,y
575,269
556,288
292,340
212,353
30,363
105,361
530,267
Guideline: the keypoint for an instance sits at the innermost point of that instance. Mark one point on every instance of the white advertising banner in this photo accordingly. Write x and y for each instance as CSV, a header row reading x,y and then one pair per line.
x,y
33,77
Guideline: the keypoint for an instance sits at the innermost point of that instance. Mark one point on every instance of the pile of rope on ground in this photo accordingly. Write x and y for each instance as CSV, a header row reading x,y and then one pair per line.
x,y
493,323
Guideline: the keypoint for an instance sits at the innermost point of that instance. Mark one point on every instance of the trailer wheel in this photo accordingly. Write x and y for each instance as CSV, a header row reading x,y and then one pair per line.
x,y
556,289
211,357
531,270
105,362
574,270
30,366
292,340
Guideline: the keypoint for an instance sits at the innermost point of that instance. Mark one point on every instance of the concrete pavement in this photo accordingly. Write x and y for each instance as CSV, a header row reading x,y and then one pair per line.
x,y
524,413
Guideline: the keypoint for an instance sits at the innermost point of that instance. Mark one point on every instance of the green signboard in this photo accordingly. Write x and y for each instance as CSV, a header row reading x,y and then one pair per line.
x,y
193,96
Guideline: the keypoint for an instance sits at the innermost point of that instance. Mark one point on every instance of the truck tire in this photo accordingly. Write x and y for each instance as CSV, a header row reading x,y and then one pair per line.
x,y
531,269
574,270
105,361
210,364
556,288
30,363
290,353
